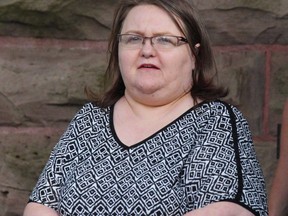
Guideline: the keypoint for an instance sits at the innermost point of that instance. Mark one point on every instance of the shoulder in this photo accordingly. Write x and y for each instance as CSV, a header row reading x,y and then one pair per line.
x,y
219,114
87,117
88,107
217,108
91,109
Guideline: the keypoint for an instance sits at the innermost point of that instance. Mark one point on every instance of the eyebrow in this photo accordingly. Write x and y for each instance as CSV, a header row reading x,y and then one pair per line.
x,y
142,34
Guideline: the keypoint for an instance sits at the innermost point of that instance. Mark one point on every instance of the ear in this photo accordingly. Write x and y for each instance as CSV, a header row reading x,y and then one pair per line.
x,y
197,45
197,48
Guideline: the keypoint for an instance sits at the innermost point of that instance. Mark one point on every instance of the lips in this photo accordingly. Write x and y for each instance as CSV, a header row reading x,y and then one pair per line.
x,y
148,66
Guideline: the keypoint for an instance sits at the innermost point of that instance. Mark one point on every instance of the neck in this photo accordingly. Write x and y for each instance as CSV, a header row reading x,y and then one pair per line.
x,y
143,120
147,111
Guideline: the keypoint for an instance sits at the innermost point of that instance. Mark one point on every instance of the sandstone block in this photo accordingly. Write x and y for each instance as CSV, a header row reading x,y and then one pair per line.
x,y
278,89
228,22
23,154
46,83
243,72
9,114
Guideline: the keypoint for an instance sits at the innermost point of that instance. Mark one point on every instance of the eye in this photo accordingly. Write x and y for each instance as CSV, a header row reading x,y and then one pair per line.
x,y
166,40
132,39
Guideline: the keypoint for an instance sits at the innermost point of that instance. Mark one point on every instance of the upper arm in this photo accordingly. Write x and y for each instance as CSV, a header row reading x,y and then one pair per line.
x,y
52,177
35,209
222,168
59,166
221,209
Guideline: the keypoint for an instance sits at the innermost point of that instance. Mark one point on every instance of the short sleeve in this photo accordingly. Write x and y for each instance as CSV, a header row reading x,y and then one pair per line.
x,y
58,167
222,169
252,192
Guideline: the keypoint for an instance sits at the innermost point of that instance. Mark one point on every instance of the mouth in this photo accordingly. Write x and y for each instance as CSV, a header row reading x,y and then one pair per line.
x,y
148,66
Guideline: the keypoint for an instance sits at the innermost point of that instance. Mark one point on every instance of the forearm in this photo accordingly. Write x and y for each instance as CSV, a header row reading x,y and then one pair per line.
x,y
35,209
220,209
278,205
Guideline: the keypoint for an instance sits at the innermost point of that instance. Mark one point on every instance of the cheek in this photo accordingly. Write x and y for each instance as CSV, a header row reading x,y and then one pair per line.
x,y
185,66
121,59
183,61
189,64
123,64
126,59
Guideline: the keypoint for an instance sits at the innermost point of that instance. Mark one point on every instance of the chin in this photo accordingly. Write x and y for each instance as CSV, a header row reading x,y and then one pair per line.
x,y
149,89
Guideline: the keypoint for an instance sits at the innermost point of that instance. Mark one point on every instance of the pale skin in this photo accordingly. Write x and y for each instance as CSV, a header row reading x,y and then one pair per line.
x,y
35,209
154,95
216,209
278,200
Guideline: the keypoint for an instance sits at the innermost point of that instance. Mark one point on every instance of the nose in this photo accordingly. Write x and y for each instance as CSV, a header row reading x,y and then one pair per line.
x,y
147,38
147,49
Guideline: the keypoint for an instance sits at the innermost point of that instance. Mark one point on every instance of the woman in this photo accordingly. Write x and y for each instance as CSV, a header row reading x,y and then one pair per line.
x,y
278,200
157,142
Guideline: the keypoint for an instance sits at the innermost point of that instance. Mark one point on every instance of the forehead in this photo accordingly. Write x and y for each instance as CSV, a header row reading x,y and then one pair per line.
x,y
149,18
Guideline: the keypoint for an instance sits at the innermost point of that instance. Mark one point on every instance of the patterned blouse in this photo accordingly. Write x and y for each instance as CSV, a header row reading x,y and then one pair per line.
x,y
204,156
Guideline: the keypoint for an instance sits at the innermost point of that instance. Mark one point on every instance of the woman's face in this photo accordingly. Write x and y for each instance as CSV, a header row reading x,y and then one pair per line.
x,y
154,76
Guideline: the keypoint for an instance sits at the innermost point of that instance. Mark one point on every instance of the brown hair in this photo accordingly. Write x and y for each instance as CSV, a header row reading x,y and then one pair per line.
x,y
204,76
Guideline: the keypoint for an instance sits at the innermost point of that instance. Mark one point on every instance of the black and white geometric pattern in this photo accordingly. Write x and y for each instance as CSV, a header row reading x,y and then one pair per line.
x,y
190,163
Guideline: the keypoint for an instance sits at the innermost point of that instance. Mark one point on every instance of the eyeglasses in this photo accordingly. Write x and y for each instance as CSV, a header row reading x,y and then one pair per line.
x,y
133,41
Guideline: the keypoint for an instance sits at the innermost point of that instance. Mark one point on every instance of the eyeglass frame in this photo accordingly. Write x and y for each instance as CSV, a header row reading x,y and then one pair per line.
x,y
144,38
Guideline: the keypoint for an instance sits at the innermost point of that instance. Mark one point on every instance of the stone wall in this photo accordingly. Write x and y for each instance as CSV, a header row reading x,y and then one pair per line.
x,y
50,50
